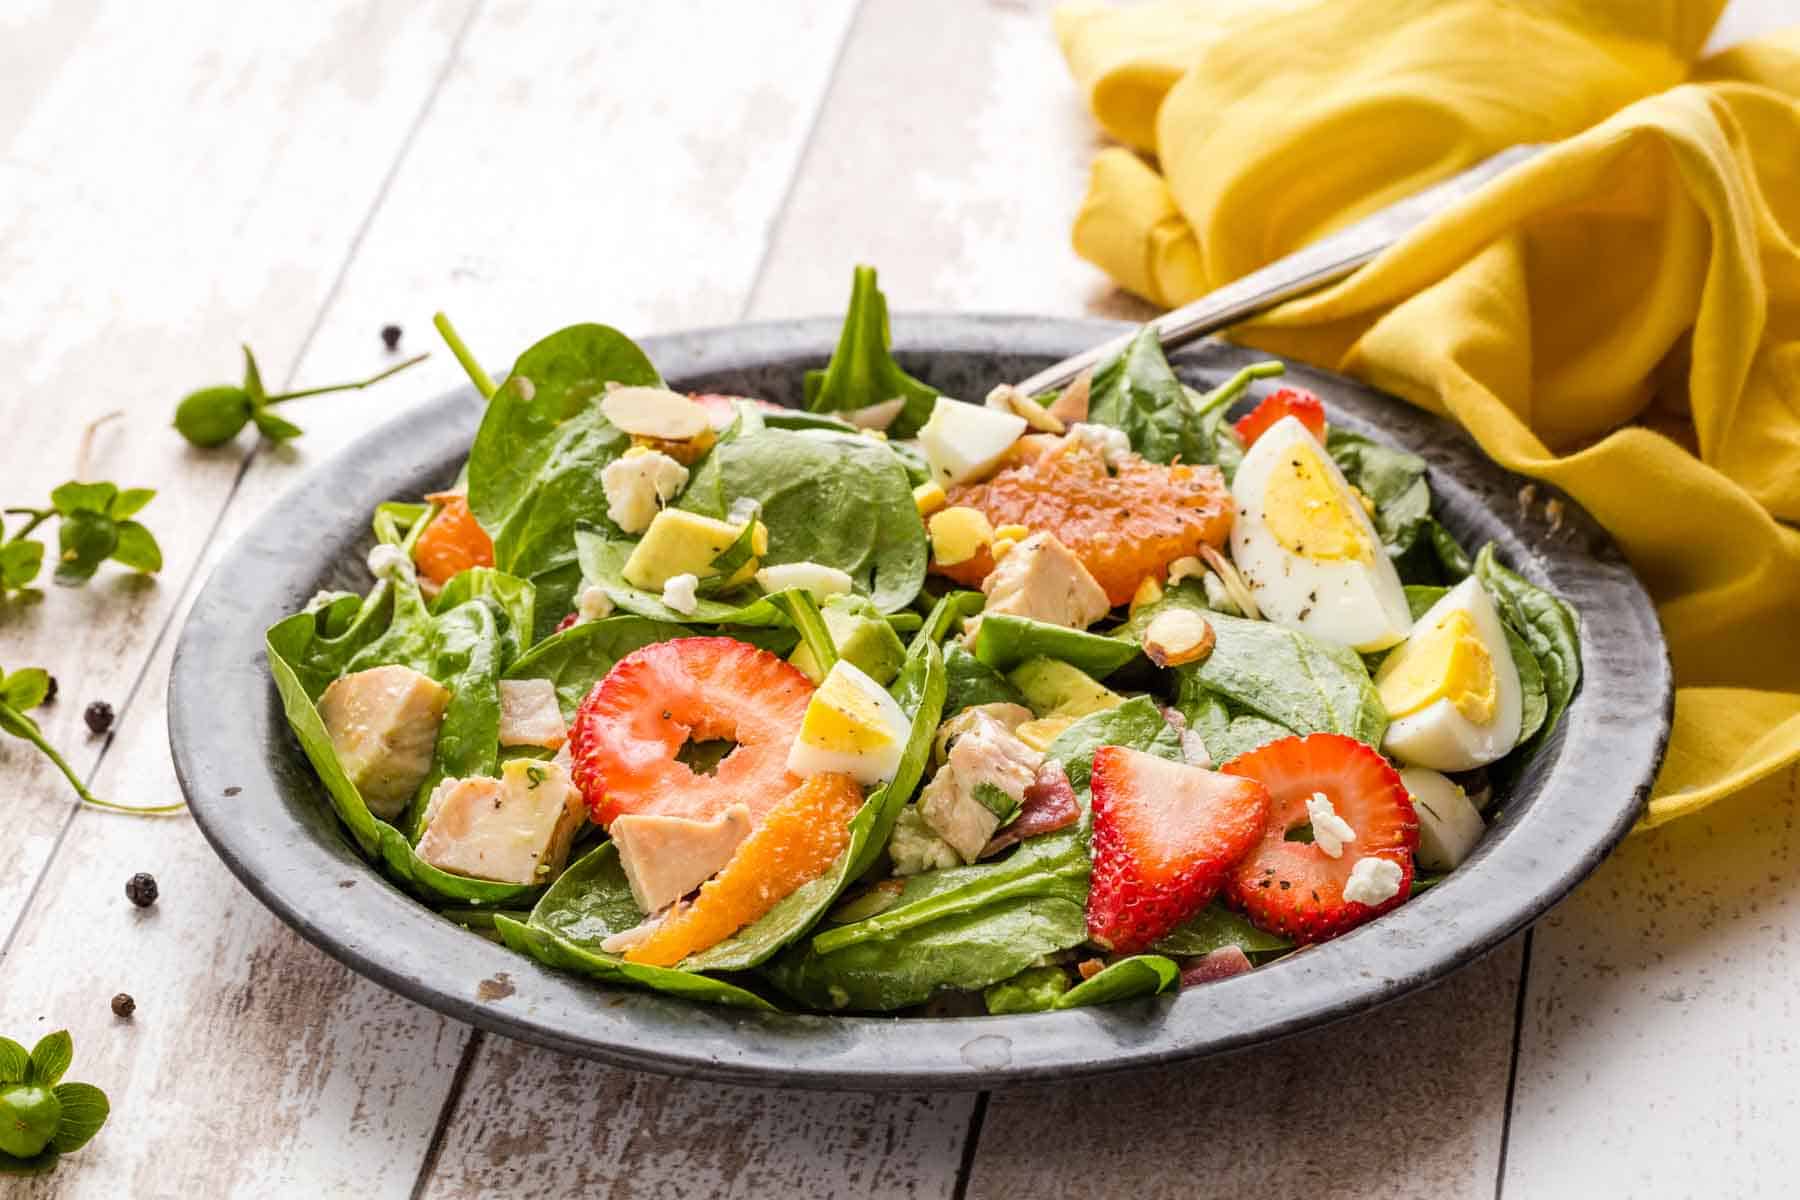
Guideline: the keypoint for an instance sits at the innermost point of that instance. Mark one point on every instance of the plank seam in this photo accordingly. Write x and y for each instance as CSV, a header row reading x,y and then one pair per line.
x,y
971,1145
447,1113
1512,1070
773,233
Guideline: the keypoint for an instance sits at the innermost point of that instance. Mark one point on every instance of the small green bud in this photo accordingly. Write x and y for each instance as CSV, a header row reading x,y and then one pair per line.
x,y
29,1115
213,416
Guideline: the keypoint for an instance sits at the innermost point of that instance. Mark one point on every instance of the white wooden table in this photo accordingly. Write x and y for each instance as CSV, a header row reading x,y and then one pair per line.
x,y
298,175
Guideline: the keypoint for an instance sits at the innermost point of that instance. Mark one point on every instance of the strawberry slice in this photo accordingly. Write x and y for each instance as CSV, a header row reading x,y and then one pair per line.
x,y
1288,402
628,731
1294,887
1166,836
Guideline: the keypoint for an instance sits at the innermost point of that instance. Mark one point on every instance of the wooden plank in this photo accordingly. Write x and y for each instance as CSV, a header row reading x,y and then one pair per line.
x,y
173,187
588,1130
1390,1104
1658,1049
952,154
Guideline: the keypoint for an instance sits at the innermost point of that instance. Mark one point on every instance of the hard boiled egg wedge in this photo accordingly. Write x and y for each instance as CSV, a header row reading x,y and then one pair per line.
x,y
852,727
1451,689
1307,548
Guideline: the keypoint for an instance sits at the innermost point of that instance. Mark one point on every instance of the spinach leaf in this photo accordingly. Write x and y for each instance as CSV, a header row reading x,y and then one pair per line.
x,y
464,649
1127,979
1226,729
1004,641
973,682
592,900
1548,626
838,499
965,950
1452,560
948,614
603,558
862,371
968,927
1393,479
581,655
1215,927
1299,682
1138,393
376,837
515,597
553,951
1034,989
534,469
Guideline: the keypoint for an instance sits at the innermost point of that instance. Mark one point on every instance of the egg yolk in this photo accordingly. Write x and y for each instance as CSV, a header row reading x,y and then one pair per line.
x,y
1308,514
1446,662
844,721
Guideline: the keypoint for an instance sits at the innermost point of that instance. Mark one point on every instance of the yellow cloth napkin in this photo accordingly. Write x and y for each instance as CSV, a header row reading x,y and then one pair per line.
x,y
1620,317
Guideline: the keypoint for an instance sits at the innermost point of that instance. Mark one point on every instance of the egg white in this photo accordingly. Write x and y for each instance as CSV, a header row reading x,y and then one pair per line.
x,y
1357,604
1439,736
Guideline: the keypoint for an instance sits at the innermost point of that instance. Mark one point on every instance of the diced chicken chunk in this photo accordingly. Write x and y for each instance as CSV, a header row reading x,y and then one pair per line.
x,y
981,784
1009,716
1043,580
514,829
530,714
665,858
383,724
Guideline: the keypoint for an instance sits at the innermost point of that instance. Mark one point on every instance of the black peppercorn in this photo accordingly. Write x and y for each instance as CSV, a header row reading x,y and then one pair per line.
x,y
50,691
141,889
390,336
123,1005
99,716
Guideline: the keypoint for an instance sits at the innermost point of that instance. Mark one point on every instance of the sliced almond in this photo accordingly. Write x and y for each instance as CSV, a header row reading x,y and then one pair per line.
x,y
1072,405
876,416
1235,587
1008,398
1177,637
655,413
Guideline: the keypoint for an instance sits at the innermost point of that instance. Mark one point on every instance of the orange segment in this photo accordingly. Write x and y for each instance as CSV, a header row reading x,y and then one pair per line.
x,y
453,542
1123,525
796,843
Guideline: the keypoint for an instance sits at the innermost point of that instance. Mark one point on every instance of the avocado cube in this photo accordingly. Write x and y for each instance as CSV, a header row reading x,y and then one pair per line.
x,y
1054,688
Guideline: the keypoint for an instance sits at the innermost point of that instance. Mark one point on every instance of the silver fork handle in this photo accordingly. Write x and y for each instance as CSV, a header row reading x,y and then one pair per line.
x,y
1323,262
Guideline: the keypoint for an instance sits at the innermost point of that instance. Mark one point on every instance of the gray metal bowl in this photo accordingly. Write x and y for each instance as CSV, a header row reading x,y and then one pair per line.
x,y
259,803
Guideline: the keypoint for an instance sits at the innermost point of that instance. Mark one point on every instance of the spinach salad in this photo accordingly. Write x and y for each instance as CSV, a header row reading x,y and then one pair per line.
x,y
896,703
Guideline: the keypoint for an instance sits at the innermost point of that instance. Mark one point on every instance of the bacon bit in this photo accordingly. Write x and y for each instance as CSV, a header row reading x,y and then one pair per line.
x,y
1222,963
1049,805
1090,967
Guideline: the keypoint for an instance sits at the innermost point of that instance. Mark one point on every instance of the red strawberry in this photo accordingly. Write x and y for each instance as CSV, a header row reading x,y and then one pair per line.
x,y
1295,888
1165,837
627,732
1288,402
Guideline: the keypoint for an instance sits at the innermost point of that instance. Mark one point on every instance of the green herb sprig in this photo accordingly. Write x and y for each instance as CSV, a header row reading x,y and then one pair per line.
x,y
21,556
24,690
96,525
213,416
42,1118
